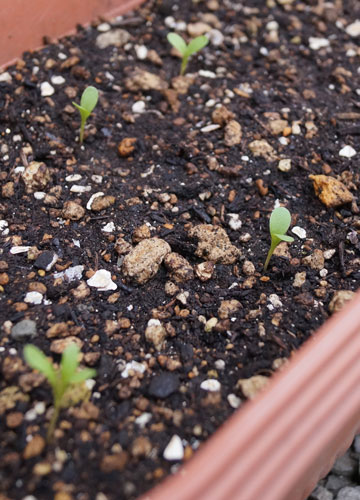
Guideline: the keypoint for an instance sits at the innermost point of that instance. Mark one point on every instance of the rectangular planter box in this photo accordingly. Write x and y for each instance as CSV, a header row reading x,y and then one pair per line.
x,y
279,445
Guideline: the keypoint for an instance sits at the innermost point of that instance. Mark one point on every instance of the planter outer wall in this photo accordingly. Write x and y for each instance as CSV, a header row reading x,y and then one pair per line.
x,y
24,23
280,444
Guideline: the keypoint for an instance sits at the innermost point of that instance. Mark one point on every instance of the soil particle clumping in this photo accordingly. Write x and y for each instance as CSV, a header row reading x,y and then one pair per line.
x,y
145,246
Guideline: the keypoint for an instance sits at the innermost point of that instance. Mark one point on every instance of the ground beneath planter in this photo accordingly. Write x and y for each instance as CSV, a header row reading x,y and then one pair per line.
x,y
169,197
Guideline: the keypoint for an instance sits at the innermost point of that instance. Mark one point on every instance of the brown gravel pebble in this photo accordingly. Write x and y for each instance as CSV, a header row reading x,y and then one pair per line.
x,y
4,279
14,419
214,244
340,299
73,211
330,191
143,261
116,462
34,447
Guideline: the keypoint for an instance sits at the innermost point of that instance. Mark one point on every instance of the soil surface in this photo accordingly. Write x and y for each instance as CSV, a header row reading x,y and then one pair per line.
x,y
159,276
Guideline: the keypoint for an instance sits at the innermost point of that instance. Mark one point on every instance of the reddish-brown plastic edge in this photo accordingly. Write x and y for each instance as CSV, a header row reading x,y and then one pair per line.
x,y
277,446
280,444
24,23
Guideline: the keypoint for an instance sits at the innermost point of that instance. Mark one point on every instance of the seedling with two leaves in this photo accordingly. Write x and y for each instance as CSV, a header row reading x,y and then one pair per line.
x,y
63,380
279,224
187,50
87,104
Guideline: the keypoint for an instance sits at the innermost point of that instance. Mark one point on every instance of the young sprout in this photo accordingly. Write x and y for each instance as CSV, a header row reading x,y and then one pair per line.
x,y
279,223
63,379
186,50
88,102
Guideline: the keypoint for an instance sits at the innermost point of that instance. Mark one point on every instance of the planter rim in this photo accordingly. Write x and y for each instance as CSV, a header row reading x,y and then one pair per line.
x,y
310,411
25,24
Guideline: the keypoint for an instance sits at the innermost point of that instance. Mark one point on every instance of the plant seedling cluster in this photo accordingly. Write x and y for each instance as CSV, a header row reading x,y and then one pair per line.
x,y
87,104
186,50
62,379
279,224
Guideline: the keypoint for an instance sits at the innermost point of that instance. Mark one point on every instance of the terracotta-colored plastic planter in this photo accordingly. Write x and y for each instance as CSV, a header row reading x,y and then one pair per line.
x,y
279,445
24,24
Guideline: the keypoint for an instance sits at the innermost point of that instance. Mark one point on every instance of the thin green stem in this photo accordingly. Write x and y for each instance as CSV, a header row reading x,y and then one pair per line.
x,y
273,245
52,423
183,65
82,129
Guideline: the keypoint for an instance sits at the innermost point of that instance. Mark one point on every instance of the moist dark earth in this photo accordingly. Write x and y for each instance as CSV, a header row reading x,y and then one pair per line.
x,y
188,170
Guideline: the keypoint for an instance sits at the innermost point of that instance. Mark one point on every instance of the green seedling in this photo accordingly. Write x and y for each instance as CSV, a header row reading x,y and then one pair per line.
x,y
88,102
64,380
279,223
186,50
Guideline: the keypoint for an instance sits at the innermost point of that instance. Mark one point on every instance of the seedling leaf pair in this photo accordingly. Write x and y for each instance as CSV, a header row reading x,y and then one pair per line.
x,y
61,379
280,220
186,50
87,104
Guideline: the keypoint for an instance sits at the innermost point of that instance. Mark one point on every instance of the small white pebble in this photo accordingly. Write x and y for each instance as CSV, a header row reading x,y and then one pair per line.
x,y
284,141
211,385
233,401
143,420
329,253
220,364
134,366
353,29
295,129
299,231
272,26
102,281
138,107
209,128
141,52
174,449
234,221
210,103
216,37
316,43
207,74
275,301
170,22
347,151
19,249
73,178
108,228
323,273
284,165
46,89
33,298
5,77
264,51
71,273
97,178
4,229
103,27
80,189
57,80
29,416
40,408
350,53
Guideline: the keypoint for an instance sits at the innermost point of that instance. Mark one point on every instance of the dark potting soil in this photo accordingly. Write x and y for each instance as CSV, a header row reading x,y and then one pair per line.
x,y
278,81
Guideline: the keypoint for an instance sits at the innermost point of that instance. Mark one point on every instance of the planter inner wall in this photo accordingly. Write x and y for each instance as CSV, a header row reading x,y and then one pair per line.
x,y
24,24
